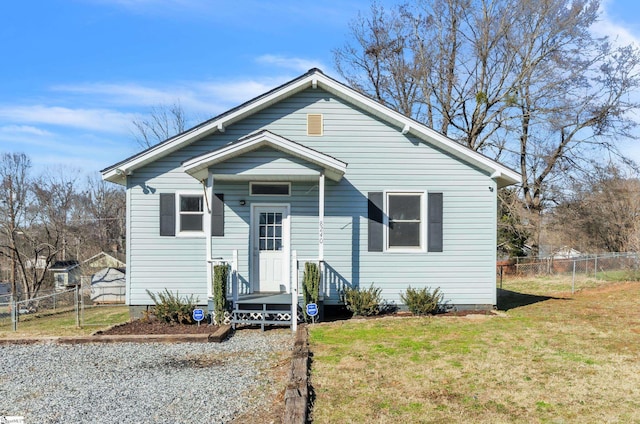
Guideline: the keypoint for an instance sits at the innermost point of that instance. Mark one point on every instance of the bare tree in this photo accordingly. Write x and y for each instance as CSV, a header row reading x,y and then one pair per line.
x,y
163,122
601,212
514,226
378,64
14,206
102,224
50,218
45,234
522,81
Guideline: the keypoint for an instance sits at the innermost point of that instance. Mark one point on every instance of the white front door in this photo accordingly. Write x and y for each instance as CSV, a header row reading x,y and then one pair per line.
x,y
270,244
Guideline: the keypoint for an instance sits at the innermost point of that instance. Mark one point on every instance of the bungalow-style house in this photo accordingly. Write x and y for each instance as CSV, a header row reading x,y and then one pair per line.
x,y
311,171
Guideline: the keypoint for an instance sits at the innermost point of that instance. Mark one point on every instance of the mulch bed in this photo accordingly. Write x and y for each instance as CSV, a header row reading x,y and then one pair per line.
x,y
154,326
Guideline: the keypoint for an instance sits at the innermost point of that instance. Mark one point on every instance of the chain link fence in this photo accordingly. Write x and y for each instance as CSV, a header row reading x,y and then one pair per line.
x,y
596,267
47,302
81,300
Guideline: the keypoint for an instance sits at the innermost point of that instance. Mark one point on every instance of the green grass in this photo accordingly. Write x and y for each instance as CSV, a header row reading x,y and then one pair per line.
x,y
560,358
63,323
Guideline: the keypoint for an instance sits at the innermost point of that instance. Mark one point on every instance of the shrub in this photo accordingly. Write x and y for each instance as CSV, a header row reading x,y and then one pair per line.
x,y
310,284
422,301
171,307
363,302
220,276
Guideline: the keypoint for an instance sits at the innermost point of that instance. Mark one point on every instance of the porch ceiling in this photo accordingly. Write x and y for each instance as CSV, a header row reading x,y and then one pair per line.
x,y
198,167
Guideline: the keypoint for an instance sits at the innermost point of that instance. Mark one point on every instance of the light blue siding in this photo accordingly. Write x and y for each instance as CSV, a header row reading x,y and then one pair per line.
x,y
379,158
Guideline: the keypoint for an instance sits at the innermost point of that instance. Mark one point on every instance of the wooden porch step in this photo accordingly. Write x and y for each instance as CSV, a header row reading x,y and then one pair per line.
x,y
261,317
264,309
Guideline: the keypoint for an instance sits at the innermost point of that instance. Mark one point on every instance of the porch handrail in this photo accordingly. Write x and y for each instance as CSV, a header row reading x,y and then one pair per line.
x,y
233,274
294,291
295,283
320,263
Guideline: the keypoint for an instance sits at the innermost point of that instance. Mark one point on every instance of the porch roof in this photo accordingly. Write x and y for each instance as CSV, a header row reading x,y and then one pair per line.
x,y
198,167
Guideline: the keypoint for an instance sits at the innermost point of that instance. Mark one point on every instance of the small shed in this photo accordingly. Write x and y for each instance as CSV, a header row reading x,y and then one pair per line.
x,y
108,285
66,274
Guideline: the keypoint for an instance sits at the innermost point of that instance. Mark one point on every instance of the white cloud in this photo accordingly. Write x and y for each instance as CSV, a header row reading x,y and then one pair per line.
x,y
618,32
125,93
292,63
104,120
23,129
207,98
236,92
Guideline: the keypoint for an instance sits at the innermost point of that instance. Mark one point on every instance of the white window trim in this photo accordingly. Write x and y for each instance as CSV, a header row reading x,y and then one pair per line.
x,y
196,234
288,183
423,219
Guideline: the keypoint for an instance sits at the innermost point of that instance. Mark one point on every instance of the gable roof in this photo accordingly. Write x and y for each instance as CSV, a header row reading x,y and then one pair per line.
x,y
64,266
314,78
198,166
106,256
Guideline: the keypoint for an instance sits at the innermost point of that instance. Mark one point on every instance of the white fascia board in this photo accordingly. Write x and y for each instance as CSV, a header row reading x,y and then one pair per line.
x,y
307,154
506,177
218,125
318,79
114,174
198,165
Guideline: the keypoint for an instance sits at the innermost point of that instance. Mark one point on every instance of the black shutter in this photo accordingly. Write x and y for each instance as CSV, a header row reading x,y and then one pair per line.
x,y
217,215
434,219
167,214
376,222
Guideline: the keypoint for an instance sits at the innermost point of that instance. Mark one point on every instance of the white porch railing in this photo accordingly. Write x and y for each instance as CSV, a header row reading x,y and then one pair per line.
x,y
232,282
296,287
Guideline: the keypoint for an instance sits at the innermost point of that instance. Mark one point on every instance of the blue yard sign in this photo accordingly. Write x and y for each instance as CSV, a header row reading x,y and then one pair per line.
x,y
312,309
198,315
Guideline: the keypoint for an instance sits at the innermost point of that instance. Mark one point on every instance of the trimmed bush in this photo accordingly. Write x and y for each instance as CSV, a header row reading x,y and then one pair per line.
x,y
310,284
220,306
171,307
363,302
422,301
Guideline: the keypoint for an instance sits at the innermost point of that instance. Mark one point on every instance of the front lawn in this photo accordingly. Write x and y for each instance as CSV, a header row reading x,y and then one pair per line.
x,y
557,358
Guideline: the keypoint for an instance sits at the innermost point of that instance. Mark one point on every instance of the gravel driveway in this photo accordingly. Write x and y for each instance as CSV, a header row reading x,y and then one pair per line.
x,y
140,383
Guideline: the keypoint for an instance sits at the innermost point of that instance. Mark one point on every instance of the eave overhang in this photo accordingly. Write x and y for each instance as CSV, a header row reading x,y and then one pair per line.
x,y
198,167
313,79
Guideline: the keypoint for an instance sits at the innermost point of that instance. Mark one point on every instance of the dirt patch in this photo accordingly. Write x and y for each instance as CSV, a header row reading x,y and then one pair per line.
x,y
154,326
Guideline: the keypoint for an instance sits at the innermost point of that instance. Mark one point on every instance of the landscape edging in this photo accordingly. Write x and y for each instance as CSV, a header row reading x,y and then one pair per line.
x,y
296,397
216,337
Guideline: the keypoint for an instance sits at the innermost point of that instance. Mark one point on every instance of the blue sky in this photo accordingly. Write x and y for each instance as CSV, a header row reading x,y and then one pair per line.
x,y
76,73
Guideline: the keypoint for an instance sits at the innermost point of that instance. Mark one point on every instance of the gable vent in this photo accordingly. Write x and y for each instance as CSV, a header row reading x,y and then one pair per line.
x,y
314,124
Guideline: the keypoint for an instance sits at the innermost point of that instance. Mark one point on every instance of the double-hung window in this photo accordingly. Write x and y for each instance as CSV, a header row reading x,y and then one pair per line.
x,y
405,229
191,212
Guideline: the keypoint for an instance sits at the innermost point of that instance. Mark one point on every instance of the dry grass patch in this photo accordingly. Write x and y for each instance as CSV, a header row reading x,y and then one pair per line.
x,y
557,360
64,323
